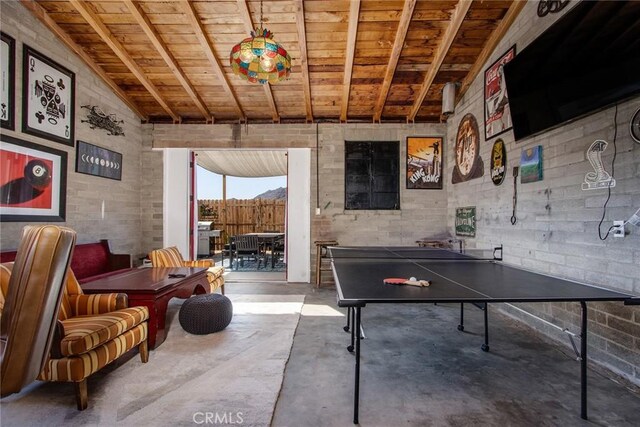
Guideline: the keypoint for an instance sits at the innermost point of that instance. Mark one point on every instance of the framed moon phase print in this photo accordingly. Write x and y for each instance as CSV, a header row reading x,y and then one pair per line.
x,y
469,164
7,97
33,181
48,98
98,161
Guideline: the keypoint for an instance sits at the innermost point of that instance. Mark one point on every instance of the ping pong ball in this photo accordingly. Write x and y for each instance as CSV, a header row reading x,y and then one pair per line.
x,y
413,279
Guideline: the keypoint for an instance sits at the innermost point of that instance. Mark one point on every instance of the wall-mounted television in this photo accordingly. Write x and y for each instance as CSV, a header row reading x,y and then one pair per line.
x,y
587,60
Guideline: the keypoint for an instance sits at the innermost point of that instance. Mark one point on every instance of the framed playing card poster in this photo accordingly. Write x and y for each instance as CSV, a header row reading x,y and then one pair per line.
x,y
48,93
7,98
33,181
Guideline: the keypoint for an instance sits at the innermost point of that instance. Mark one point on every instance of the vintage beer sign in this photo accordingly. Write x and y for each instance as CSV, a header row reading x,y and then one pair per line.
x,y
466,221
498,162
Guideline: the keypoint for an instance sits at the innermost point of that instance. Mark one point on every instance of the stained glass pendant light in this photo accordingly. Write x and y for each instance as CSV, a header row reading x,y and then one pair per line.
x,y
260,59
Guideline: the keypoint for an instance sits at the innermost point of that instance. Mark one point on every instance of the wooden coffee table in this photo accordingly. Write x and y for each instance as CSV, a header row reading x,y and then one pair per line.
x,y
153,288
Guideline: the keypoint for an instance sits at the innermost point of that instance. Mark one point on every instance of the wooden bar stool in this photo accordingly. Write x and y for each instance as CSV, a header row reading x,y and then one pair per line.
x,y
321,252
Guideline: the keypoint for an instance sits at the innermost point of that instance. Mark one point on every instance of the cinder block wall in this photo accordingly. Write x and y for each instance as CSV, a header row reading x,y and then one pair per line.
x,y
557,228
422,212
85,193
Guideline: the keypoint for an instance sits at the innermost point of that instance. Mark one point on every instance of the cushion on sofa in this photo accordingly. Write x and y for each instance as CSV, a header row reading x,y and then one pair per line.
x,y
84,333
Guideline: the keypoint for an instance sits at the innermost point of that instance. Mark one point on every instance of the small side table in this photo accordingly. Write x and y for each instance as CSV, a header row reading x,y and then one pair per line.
x,y
321,252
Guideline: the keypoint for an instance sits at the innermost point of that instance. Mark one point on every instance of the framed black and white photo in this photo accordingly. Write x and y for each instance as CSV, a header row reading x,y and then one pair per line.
x,y
98,161
48,98
7,93
33,182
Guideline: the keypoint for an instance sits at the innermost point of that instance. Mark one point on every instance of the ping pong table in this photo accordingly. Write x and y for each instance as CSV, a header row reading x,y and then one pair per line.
x,y
469,277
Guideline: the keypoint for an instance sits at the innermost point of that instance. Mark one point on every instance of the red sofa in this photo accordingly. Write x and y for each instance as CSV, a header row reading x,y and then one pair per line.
x,y
90,261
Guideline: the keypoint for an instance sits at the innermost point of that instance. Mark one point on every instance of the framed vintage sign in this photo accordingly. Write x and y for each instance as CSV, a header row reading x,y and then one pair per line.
x,y
33,181
498,162
7,91
98,161
424,163
48,98
469,164
466,221
497,115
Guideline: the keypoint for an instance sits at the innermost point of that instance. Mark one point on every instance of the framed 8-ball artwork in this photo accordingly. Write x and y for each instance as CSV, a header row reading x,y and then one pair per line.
x,y
33,182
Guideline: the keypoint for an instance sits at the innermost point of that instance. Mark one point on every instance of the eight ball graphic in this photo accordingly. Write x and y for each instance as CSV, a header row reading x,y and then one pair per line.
x,y
37,173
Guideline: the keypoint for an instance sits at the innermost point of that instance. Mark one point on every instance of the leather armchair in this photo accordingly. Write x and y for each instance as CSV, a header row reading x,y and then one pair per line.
x,y
87,331
29,303
171,257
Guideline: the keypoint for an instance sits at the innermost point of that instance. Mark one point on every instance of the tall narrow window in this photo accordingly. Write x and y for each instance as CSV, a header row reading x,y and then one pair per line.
x,y
372,175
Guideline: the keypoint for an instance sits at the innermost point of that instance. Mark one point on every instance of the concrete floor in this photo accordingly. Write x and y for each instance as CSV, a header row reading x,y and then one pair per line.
x,y
418,370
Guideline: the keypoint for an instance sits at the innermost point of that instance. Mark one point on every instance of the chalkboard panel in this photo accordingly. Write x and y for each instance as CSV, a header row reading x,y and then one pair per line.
x,y
372,175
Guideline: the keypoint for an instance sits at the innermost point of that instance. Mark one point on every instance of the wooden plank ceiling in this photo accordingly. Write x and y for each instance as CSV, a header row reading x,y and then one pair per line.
x,y
353,61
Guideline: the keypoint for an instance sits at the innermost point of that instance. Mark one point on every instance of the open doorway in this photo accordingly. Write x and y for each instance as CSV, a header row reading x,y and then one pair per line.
x,y
242,203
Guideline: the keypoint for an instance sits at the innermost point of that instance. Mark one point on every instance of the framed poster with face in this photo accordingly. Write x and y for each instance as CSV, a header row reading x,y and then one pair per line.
x,y
48,98
469,164
497,114
33,182
424,163
7,95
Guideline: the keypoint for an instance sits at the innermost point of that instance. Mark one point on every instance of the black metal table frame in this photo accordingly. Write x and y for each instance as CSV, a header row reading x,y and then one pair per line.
x,y
354,323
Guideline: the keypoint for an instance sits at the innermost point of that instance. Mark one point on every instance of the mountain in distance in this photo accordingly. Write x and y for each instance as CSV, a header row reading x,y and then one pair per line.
x,y
278,194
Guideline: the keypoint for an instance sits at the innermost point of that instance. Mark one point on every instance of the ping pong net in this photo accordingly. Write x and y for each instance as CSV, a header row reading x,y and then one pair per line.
x,y
412,253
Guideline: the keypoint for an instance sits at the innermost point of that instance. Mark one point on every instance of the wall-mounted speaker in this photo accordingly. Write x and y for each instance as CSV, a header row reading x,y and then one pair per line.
x,y
448,98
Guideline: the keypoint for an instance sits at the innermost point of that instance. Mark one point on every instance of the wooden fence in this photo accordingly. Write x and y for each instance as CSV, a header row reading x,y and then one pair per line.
x,y
243,216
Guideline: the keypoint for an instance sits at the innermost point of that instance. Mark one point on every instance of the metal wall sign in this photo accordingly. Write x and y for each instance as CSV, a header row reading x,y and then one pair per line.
x,y
469,164
99,119
599,178
498,162
466,221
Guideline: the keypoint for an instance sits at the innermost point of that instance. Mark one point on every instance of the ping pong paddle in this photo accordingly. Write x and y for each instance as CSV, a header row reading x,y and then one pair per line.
x,y
399,281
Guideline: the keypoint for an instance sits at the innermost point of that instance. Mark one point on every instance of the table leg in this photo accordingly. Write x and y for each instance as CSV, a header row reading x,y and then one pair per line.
x,y
353,329
485,346
461,324
583,362
356,389
346,328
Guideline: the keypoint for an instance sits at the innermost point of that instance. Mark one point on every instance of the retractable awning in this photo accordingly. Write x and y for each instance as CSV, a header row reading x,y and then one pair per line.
x,y
244,163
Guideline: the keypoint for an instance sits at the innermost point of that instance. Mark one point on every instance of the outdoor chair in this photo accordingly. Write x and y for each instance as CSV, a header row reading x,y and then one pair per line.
x,y
247,246
171,257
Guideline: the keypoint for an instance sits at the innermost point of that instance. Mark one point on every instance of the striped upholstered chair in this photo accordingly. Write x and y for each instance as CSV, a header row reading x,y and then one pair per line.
x,y
91,332
171,257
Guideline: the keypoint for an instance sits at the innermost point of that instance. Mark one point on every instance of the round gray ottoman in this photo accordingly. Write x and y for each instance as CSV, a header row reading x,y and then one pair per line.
x,y
204,314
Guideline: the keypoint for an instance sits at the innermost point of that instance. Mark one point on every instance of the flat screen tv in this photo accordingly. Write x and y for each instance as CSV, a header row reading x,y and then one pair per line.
x,y
589,59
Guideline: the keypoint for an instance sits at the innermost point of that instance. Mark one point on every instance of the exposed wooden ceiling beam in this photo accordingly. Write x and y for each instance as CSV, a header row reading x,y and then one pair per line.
x,y
42,15
201,34
401,33
354,14
492,42
117,48
148,28
248,25
302,42
443,48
